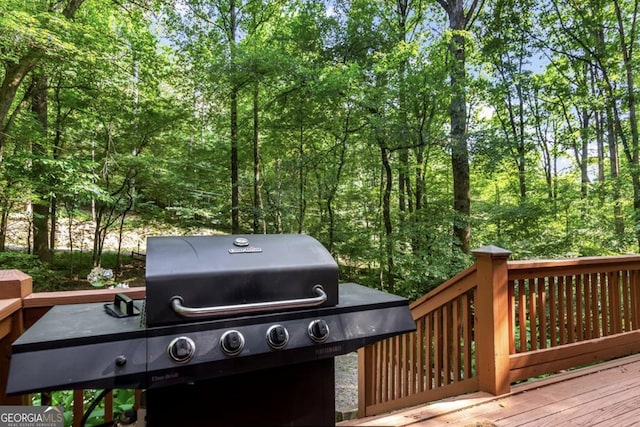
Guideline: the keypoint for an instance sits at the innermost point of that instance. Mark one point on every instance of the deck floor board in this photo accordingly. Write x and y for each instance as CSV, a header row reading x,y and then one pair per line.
x,y
602,395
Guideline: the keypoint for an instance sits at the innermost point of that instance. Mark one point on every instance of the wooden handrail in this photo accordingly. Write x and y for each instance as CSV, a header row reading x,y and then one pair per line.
x,y
448,291
49,299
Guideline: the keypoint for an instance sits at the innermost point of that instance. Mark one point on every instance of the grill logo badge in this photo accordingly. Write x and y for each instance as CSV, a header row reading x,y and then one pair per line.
x,y
247,250
242,247
31,416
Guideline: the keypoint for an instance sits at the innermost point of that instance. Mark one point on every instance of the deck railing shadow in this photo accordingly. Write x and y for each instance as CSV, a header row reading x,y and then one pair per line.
x,y
501,321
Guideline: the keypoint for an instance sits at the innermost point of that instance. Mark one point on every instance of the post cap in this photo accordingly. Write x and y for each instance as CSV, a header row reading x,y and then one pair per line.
x,y
492,251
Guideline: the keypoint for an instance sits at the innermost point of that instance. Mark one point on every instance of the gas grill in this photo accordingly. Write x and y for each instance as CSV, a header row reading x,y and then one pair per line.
x,y
235,330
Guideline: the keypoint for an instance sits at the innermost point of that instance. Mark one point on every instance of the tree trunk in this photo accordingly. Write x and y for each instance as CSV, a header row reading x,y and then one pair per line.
x,y
53,225
599,118
520,137
458,118
4,217
41,202
235,196
599,123
259,225
614,163
459,149
302,202
333,190
386,213
13,77
97,245
584,153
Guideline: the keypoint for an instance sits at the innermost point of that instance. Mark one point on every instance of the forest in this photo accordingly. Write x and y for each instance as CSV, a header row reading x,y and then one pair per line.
x,y
401,134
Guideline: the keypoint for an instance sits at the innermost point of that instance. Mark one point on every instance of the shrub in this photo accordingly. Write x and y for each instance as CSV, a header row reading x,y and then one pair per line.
x,y
43,278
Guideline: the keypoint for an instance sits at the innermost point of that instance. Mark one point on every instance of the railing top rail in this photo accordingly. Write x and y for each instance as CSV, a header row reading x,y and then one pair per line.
x,y
573,262
48,299
9,306
445,286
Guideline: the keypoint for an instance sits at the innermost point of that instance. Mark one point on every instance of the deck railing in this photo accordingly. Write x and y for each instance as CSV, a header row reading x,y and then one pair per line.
x,y
503,321
21,308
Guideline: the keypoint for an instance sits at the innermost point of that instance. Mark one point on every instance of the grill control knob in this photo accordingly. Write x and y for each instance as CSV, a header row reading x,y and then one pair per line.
x,y
181,349
277,336
232,342
318,330
121,361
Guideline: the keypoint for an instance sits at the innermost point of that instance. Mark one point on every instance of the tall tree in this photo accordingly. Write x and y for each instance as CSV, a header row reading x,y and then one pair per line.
x,y
460,21
40,149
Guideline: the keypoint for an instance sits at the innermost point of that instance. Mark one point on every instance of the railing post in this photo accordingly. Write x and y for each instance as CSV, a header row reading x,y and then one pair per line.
x,y
492,320
14,285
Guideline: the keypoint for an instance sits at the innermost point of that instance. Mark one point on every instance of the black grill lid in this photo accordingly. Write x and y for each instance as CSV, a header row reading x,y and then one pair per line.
x,y
186,276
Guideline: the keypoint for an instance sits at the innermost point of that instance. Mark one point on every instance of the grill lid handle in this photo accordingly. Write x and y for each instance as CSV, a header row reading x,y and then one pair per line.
x,y
257,307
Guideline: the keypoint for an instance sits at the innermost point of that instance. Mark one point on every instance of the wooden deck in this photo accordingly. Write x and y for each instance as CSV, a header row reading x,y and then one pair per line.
x,y
607,394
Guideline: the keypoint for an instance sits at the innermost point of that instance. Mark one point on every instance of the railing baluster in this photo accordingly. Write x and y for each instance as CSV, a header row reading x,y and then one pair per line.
x,y
446,344
386,377
470,355
553,309
562,314
108,407
393,355
587,306
411,374
533,324
579,306
542,311
635,298
398,367
616,299
438,350
604,303
380,369
626,300
522,315
595,308
512,317
611,303
467,327
430,349
568,284
456,317
78,407
422,344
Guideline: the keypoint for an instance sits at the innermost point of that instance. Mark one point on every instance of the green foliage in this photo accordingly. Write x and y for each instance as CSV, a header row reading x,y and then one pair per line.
x,y
44,279
341,101
123,399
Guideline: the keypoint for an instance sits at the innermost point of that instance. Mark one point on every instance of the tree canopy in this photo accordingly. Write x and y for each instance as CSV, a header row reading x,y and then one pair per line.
x,y
400,134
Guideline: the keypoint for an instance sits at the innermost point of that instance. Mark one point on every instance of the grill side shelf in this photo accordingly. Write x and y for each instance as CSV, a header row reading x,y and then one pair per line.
x,y
78,324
